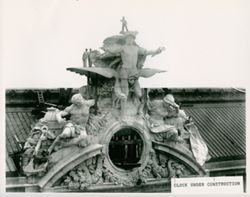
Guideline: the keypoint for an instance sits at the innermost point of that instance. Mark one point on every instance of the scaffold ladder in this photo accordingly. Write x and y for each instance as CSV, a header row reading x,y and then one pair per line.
x,y
40,96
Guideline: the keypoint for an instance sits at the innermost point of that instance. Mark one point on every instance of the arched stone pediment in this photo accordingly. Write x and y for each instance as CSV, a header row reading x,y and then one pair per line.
x,y
159,161
69,159
181,156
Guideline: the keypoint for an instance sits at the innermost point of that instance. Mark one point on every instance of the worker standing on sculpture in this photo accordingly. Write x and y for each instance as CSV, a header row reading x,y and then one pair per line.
x,y
124,25
89,58
85,58
76,127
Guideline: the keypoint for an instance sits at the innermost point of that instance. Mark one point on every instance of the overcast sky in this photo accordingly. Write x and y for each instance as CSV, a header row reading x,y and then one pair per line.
x,y
207,42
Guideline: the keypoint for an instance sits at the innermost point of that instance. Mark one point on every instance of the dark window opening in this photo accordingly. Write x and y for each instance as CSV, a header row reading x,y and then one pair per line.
x,y
125,149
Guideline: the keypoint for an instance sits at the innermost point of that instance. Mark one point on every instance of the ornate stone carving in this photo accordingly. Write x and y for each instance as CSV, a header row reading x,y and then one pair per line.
x,y
109,177
97,123
160,111
154,168
76,127
114,103
35,157
87,173
176,169
128,70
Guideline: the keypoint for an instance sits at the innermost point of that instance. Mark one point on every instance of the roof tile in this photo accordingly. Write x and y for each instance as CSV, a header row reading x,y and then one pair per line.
x,y
222,125
18,121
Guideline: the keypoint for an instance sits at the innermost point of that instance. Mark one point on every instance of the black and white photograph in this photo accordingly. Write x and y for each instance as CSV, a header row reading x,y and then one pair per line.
x,y
124,96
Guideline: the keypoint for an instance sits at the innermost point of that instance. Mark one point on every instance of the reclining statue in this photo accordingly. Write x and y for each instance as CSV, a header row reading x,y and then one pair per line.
x,y
76,127
166,119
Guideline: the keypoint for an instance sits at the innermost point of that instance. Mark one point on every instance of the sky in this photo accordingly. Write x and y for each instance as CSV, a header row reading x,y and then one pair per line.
x,y
207,42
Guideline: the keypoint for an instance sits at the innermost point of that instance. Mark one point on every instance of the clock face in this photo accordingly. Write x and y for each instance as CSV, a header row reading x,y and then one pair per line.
x,y
125,149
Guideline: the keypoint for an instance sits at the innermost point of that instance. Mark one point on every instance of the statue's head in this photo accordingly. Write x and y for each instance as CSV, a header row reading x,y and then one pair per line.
x,y
36,136
169,101
130,36
162,160
77,99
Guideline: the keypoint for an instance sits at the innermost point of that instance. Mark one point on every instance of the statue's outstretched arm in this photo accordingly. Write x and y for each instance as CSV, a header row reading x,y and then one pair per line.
x,y
155,52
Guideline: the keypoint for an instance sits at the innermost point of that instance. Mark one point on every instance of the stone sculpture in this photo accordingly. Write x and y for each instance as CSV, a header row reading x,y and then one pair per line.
x,y
76,127
35,157
158,111
129,52
85,174
76,153
129,68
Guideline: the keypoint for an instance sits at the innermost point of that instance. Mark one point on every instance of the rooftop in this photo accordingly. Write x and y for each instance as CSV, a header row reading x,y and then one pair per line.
x,y
221,124
18,124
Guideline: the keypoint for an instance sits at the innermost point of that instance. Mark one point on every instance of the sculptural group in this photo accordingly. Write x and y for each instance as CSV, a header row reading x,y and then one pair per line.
x,y
113,98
